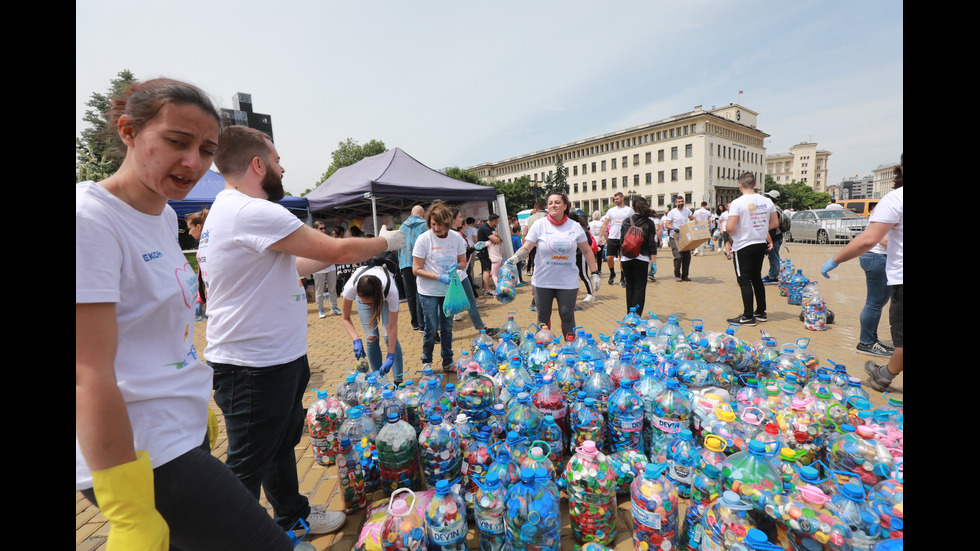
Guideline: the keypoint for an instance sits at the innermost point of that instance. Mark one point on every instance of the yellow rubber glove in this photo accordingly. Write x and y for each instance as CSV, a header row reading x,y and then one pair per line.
x,y
212,427
125,495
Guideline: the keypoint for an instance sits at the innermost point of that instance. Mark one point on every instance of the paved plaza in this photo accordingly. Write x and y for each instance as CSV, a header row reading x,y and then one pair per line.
x,y
712,296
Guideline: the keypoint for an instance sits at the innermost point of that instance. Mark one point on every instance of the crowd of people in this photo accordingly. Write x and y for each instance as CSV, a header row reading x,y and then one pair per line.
x,y
144,430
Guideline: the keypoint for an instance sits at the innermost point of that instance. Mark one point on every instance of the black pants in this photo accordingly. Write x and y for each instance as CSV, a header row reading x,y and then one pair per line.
x,y
748,274
206,507
412,293
635,276
682,260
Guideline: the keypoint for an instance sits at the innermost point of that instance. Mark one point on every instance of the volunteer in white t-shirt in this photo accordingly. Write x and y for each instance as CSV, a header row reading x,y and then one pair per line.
x,y
595,228
254,256
142,451
887,219
726,239
555,278
750,218
377,306
702,215
673,221
436,252
612,224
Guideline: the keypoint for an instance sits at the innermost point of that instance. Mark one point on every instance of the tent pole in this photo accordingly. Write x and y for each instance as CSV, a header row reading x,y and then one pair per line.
x,y
374,214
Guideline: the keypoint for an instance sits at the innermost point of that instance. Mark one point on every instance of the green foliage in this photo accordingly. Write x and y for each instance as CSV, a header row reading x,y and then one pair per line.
x,y
518,194
464,175
797,195
349,152
99,152
556,182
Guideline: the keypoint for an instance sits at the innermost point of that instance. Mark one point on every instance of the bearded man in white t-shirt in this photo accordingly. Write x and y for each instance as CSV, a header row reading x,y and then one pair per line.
x,y
253,256
612,224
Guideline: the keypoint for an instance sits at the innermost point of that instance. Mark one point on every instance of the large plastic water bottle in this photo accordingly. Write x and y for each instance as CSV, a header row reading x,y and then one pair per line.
x,y
511,326
482,337
351,478
552,434
861,517
348,392
398,452
725,523
626,418
683,454
404,528
524,418
477,458
485,357
569,379
446,518
387,404
590,479
550,400
796,285
489,512
599,385
814,309
434,400
506,348
671,414
533,518
439,451
323,419
654,509
632,319
587,422
358,426
475,396
751,473
506,283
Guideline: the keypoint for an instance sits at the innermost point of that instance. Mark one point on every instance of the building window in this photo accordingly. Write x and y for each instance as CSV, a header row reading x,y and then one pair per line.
x,y
603,183
660,155
673,152
613,166
574,171
660,177
649,157
636,159
594,186
649,177
673,175
660,200
603,166
636,179
614,183
689,150
688,173
625,161
593,168
575,187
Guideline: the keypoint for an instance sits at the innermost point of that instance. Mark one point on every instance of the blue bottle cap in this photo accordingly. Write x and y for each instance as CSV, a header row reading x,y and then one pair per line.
x,y
386,393
527,475
393,417
809,474
435,419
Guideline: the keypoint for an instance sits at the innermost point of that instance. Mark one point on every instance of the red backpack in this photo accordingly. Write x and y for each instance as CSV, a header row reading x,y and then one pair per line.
x,y
633,240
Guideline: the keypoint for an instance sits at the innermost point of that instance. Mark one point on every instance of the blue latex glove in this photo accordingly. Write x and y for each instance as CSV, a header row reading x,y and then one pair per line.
x,y
453,267
827,267
386,366
358,349
444,278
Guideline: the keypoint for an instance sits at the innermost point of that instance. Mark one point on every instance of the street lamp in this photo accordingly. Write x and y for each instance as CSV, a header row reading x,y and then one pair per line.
x,y
631,193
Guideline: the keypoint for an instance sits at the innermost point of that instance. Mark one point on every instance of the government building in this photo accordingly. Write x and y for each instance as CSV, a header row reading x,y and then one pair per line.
x,y
698,154
804,163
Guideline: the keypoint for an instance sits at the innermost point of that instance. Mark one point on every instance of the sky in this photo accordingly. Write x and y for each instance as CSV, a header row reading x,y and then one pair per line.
x,y
456,83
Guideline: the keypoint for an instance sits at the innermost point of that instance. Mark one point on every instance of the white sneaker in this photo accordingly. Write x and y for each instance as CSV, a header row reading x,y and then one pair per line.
x,y
588,298
324,522
322,314
458,317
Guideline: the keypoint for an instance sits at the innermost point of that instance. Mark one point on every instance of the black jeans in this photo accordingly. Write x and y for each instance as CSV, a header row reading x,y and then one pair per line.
x,y
412,293
264,419
206,507
682,260
635,276
748,274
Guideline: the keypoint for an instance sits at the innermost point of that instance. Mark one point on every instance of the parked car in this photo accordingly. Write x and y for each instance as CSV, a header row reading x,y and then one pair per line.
x,y
825,226
861,207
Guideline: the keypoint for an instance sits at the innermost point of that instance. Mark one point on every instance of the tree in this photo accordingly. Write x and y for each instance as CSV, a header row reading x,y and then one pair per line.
x,y
797,195
518,194
464,175
349,152
556,182
99,152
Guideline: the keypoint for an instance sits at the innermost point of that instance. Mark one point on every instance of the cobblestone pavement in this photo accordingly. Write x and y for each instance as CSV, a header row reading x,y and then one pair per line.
x,y
712,296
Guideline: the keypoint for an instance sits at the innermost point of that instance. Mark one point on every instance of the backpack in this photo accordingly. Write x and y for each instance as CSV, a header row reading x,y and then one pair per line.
x,y
784,221
633,240
357,275
387,260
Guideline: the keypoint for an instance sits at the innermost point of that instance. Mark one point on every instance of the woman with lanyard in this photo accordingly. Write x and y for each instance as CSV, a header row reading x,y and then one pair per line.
x,y
556,237
142,450
377,304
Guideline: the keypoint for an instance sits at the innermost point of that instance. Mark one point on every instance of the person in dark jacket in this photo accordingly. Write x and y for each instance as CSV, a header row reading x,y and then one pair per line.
x,y
635,269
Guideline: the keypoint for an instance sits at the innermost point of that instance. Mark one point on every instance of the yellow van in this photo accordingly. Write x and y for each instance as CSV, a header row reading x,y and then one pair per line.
x,y
861,207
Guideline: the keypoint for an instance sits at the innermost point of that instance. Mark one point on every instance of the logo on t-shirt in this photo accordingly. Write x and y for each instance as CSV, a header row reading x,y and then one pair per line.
x,y
561,245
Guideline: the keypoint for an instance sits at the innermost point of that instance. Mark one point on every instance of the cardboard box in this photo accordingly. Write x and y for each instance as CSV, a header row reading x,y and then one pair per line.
x,y
692,235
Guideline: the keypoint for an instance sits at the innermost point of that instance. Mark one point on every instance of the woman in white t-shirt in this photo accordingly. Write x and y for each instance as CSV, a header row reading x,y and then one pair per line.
x,y
141,391
555,237
377,305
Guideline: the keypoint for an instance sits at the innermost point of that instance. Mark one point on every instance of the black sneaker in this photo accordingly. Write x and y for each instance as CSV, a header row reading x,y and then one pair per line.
x,y
742,320
762,318
612,278
874,349
491,331
875,380
622,283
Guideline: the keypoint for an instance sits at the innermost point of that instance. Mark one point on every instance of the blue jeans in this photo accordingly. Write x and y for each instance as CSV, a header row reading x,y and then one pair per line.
x,y
372,347
411,294
873,265
436,320
475,318
774,257
265,418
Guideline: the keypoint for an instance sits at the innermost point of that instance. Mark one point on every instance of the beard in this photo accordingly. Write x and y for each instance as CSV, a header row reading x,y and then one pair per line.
x,y
272,185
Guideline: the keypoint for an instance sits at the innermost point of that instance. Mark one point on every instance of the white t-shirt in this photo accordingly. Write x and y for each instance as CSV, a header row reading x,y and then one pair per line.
x,y
595,228
835,206
889,211
439,254
702,214
471,235
554,261
678,218
723,220
256,307
616,215
350,292
132,259
752,227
